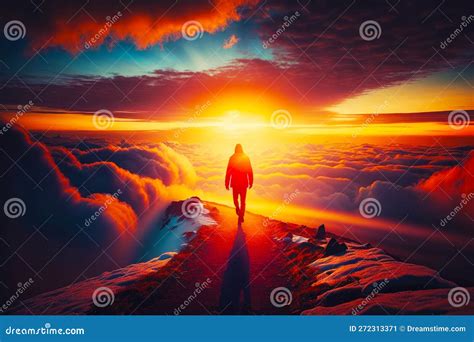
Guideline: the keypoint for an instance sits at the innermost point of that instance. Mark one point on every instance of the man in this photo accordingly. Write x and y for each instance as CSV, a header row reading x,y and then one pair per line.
x,y
239,176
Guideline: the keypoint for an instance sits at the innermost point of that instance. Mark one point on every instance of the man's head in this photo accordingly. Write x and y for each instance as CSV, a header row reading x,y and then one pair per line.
x,y
239,149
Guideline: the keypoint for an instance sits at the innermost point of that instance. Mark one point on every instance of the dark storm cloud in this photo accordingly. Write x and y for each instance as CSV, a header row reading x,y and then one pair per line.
x,y
325,43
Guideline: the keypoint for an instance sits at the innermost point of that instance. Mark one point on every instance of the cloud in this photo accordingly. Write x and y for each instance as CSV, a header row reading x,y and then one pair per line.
x,y
35,176
448,192
144,23
148,96
85,211
331,61
456,180
146,176
397,202
337,177
230,42
159,162
451,189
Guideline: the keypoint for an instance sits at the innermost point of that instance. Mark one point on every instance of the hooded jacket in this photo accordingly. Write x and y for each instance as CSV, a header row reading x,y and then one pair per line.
x,y
239,173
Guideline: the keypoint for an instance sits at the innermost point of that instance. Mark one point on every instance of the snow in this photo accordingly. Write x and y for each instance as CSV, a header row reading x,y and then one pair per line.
x,y
299,239
77,298
342,282
373,265
293,239
421,302
178,230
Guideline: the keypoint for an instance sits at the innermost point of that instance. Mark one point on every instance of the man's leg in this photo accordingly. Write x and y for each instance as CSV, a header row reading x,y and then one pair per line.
x,y
235,194
243,197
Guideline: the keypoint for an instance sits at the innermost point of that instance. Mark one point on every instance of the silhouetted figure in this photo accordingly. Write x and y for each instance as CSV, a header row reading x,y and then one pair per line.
x,y
239,177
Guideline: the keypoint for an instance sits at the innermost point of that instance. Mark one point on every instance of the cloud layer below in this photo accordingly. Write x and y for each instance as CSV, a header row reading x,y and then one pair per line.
x,y
86,208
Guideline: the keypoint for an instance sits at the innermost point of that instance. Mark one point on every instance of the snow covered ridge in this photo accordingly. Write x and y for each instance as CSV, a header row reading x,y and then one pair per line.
x,y
192,209
178,229
181,222
80,297
325,274
345,278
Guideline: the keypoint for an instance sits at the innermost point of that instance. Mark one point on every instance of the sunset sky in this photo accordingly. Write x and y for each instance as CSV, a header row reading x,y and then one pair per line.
x,y
235,67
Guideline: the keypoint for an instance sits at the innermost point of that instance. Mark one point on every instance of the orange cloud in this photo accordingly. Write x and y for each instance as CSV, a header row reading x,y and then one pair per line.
x,y
228,43
449,184
144,24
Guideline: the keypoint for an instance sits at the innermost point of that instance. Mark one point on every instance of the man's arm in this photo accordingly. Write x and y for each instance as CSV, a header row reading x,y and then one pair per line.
x,y
227,175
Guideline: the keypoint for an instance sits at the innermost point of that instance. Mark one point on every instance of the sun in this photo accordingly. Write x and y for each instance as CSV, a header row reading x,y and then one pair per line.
x,y
235,120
